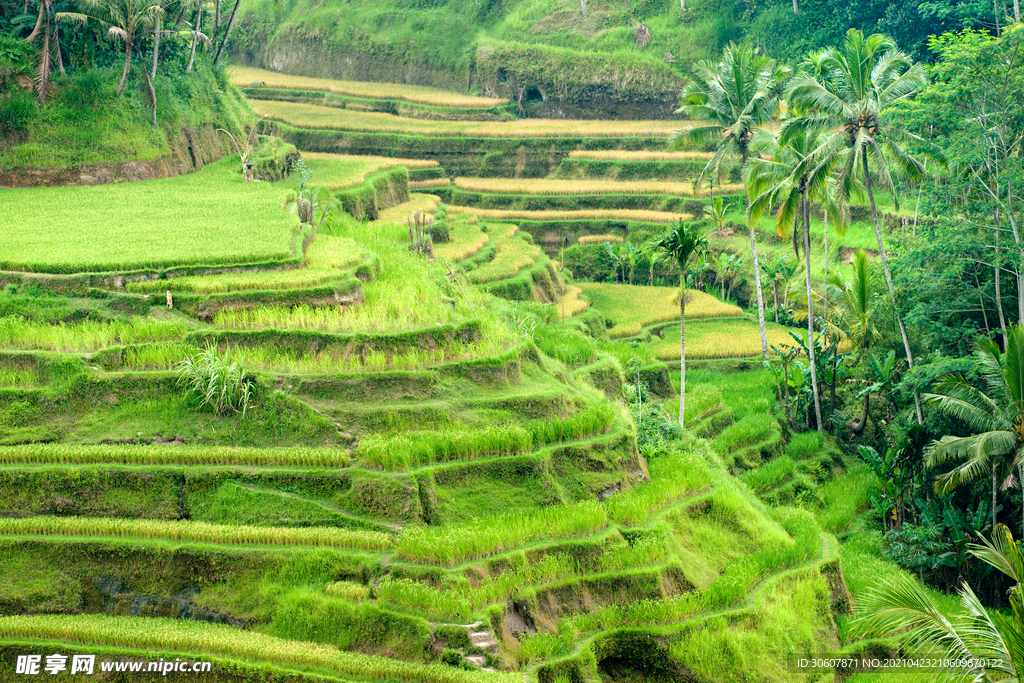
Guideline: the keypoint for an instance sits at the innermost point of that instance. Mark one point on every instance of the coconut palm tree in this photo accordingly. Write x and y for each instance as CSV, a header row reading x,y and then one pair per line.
x,y
847,96
126,20
851,299
993,640
993,409
681,242
46,31
789,179
731,99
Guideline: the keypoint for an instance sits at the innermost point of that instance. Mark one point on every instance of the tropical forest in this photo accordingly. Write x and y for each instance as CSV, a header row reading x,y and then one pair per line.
x,y
511,341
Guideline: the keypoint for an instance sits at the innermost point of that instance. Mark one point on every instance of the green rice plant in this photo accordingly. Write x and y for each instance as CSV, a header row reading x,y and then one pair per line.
x,y
845,496
52,453
218,382
770,474
210,217
196,532
805,445
642,155
594,419
673,476
486,536
413,594
633,307
334,118
194,637
18,333
162,356
701,400
415,449
349,590
745,432
567,344
18,377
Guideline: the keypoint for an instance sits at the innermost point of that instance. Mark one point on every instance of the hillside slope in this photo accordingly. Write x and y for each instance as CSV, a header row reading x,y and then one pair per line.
x,y
567,58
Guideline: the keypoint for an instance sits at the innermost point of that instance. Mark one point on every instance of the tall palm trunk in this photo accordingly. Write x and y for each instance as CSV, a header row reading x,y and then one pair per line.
x,y
156,47
993,495
810,311
227,32
888,280
127,66
195,38
757,268
824,299
682,354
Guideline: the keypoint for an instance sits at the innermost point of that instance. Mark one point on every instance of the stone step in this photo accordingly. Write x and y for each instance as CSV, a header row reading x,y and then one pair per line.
x,y
477,660
482,639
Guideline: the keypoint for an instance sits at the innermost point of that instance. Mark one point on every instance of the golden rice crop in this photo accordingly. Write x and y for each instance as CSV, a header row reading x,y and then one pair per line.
x,y
333,118
243,76
571,303
547,186
386,162
349,590
633,307
711,339
427,184
198,532
464,240
513,255
193,637
176,455
584,215
598,239
640,155
427,203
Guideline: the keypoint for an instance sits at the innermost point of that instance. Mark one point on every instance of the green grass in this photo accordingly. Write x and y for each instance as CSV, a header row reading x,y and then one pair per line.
x,y
205,218
633,307
177,455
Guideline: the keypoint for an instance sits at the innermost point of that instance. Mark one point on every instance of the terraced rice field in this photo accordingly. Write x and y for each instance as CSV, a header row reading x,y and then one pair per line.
x,y
130,226
639,155
713,339
332,118
638,215
544,186
244,76
514,254
337,171
633,307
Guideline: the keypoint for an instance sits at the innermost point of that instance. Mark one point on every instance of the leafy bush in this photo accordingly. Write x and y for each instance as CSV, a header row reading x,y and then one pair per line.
x,y
217,382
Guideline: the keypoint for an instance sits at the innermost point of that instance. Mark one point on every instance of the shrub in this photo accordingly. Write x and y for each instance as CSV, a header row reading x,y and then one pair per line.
x,y
217,382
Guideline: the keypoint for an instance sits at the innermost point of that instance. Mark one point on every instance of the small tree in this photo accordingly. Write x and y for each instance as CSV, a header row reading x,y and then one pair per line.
x,y
681,242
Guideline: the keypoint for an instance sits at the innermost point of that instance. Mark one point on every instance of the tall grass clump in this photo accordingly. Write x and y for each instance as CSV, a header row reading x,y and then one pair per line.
x,y
199,637
218,382
199,532
18,377
805,445
702,400
594,419
482,537
568,345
